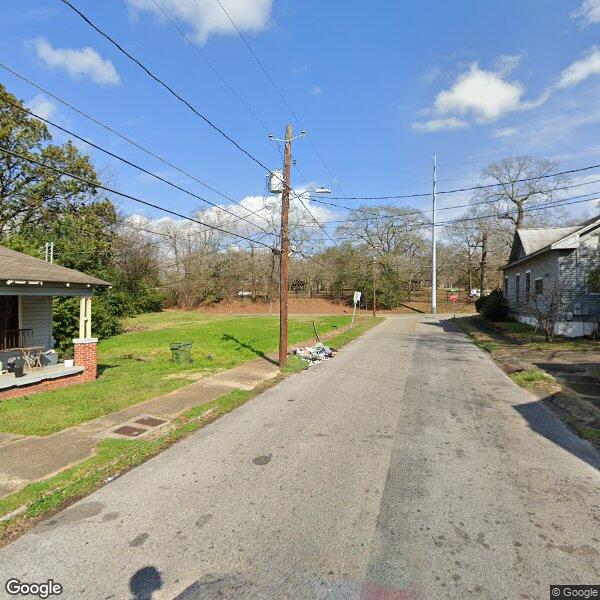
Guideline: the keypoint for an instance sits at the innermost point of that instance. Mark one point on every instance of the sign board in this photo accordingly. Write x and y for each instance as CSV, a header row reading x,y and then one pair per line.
x,y
357,296
453,297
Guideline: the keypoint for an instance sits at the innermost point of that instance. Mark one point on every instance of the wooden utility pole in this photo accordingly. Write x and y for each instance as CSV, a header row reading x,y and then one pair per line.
x,y
285,249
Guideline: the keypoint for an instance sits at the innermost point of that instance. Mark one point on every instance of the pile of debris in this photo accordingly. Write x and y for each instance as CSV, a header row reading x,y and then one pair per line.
x,y
313,354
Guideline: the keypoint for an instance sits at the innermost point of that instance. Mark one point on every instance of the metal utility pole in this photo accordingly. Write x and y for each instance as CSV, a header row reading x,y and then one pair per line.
x,y
285,249
433,244
374,286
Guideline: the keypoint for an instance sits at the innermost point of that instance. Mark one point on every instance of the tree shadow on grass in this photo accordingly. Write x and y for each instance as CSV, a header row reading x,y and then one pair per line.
x,y
226,337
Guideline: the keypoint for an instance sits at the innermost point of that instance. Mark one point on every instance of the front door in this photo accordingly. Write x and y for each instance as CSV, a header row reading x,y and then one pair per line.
x,y
9,321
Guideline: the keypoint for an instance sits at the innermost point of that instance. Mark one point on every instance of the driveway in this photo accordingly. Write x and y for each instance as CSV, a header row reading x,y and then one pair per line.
x,y
408,467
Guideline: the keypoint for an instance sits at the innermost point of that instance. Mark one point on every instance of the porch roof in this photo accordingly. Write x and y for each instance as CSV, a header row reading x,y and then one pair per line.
x,y
19,268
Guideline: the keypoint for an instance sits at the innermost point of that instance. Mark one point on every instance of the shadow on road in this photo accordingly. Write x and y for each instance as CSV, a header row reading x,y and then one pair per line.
x,y
413,308
543,422
445,324
144,583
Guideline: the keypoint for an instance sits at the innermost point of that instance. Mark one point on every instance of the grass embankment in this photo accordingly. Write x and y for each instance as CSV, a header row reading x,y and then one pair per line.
x,y
115,457
136,366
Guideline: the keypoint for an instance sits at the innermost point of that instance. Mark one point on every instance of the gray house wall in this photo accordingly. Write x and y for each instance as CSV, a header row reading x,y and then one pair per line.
x,y
544,267
36,314
569,270
574,268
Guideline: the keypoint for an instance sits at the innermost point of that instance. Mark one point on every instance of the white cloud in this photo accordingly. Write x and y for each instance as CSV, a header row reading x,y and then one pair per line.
x,y
42,106
479,96
581,69
588,12
304,231
484,95
315,90
85,62
206,17
506,132
439,125
506,63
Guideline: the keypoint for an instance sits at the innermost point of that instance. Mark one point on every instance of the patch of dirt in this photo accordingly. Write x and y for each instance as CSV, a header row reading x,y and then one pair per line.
x,y
420,303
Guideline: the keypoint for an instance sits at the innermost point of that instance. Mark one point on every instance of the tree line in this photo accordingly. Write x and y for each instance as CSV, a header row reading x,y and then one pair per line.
x,y
171,262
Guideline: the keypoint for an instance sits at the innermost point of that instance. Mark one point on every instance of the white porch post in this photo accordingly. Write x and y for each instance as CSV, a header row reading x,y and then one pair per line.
x,y
85,317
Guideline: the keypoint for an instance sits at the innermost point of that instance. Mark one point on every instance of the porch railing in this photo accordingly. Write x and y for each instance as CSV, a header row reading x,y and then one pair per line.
x,y
15,338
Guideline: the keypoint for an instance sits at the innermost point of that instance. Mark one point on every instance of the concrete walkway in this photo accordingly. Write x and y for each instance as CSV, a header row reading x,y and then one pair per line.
x,y
65,448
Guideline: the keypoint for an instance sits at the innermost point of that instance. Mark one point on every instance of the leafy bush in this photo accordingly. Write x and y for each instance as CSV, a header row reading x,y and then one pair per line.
x,y
495,307
480,302
65,321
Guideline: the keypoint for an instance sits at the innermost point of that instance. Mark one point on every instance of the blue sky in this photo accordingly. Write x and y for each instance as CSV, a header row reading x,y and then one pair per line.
x,y
379,86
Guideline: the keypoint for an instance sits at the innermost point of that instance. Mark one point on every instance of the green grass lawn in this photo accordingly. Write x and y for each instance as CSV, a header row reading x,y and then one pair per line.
x,y
136,366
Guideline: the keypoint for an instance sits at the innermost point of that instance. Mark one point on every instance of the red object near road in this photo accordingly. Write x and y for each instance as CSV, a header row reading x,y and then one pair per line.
x,y
453,297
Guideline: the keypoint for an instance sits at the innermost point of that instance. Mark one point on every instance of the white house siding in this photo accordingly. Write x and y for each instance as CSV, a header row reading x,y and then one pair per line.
x,y
36,314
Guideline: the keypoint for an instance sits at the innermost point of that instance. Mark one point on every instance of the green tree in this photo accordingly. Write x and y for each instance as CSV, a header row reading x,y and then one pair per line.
x,y
39,205
31,194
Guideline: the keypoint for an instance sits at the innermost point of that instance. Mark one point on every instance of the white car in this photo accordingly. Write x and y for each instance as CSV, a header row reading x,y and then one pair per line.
x,y
474,293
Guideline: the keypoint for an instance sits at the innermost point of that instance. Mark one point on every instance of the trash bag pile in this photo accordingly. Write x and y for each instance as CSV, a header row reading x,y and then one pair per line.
x,y
314,354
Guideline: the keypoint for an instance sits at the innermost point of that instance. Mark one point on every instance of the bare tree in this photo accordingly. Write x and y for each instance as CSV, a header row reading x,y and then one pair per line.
x,y
524,184
546,308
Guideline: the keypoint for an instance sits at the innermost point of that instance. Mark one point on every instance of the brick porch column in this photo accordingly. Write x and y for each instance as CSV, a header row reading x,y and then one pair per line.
x,y
86,356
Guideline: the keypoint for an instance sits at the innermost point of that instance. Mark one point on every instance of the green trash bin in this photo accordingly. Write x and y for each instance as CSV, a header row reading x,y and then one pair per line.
x,y
181,353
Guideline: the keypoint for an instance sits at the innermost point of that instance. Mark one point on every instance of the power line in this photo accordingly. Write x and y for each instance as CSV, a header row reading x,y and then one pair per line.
x,y
128,196
165,85
556,204
210,65
125,138
316,221
372,215
134,165
168,88
454,191
278,91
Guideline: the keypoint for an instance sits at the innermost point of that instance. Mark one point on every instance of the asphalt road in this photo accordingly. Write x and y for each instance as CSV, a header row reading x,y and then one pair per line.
x,y
407,467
